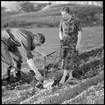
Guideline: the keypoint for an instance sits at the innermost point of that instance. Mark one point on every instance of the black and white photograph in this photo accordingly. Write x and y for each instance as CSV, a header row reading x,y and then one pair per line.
x,y
52,52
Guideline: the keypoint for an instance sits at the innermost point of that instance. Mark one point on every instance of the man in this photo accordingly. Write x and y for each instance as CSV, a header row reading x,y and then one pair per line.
x,y
12,40
70,33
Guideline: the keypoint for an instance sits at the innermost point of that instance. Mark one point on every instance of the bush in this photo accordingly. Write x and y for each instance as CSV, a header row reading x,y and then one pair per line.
x,y
30,7
87,13
16,24
40,6
27,7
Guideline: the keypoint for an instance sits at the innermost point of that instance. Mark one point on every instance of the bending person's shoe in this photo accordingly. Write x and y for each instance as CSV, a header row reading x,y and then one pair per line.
x,y
18,76
6,79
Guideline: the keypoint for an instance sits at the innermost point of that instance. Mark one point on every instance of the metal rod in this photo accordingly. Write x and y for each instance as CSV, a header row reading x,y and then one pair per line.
x,y
44,66
50,53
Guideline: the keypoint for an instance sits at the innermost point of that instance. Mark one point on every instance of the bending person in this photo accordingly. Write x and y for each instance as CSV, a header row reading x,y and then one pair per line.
x,y
12,40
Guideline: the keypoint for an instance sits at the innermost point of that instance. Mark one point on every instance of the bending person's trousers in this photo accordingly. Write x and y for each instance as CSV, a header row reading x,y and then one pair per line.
x,y
8,55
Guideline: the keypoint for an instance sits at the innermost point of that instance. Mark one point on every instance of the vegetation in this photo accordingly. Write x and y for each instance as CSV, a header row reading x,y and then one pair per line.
x,y
88,15
27,7
92,75
30,7
89,89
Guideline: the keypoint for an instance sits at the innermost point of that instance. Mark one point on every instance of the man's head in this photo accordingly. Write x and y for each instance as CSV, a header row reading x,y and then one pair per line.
x,y
39,39
66,13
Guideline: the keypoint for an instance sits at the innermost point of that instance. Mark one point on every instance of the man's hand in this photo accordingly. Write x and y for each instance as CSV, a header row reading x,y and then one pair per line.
x,y
39,77
44,55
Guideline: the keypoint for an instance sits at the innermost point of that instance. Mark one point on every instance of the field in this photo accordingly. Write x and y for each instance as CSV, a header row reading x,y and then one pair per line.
x,y
92,38
89,89
50,17
26,93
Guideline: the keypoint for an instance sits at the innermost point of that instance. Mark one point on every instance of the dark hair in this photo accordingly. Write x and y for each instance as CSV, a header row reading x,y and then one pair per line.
x,y
41,37
67,10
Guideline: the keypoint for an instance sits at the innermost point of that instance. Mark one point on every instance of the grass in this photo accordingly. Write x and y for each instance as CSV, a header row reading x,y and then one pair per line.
x,y
92,95
92,38
51,16
70,92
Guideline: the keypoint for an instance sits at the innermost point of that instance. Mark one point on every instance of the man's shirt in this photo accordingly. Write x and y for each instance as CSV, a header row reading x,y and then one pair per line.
x,y
20,36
